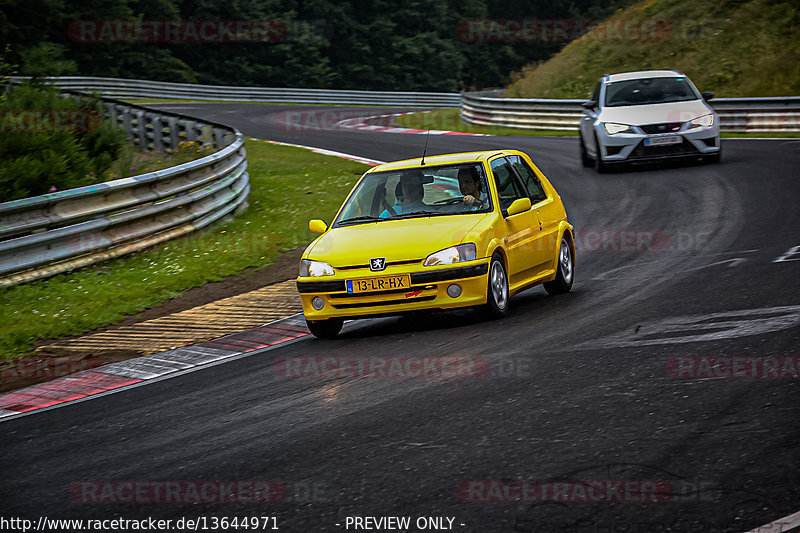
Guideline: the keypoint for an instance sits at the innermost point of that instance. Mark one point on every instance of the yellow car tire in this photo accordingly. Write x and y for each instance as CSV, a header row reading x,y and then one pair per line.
x,y
325,329
497,288
565,274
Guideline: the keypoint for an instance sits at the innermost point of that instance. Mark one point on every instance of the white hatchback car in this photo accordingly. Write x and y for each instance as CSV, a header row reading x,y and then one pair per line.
x,y
647,115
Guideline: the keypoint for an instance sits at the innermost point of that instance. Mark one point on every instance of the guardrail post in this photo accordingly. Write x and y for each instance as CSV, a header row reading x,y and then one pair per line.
x,y
140,134
157,133
206,136
111,113
173,131
219,138
191,130
126,122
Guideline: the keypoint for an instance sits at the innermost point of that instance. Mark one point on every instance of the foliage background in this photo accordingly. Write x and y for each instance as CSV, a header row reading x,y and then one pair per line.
x,y
735,48
409,45
33,162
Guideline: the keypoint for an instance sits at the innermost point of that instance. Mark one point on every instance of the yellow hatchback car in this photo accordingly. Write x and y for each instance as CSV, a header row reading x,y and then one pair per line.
x,y
440,232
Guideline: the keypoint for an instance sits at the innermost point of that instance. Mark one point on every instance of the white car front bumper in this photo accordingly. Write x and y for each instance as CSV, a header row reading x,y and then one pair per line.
x,y
644,146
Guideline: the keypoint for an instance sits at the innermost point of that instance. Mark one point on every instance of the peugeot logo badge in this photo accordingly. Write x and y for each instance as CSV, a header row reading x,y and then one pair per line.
x,y
377,263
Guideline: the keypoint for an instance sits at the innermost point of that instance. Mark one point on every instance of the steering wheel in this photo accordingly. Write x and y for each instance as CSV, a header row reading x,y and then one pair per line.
x,y
449,201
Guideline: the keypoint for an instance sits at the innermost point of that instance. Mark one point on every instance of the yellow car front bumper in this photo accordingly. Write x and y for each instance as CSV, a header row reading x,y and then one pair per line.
x,y
428,290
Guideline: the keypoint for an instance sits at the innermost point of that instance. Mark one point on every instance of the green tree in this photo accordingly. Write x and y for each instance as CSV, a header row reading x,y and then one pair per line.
x,y
38,150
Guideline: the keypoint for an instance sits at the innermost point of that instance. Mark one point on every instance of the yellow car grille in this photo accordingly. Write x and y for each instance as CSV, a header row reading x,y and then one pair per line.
x,y
388,264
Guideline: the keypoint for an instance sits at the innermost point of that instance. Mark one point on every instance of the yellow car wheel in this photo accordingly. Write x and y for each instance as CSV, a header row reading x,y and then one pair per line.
x,y
497,289
325,329
565,272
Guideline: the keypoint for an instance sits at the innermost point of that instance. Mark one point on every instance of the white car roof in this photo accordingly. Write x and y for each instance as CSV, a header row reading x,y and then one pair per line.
x,y
644,74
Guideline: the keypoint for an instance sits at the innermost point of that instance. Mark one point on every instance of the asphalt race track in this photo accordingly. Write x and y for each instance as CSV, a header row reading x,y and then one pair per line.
x,y
674,264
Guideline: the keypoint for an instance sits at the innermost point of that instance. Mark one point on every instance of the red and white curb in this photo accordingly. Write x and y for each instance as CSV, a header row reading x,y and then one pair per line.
x,y
117,376
366,124
341,155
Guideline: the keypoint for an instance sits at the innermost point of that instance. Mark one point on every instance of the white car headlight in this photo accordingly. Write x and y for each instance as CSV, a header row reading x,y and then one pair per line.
x,y
706,121
315,268
454,254
612,128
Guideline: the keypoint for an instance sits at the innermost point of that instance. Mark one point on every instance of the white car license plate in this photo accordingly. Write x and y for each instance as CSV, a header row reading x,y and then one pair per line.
x,y
653,141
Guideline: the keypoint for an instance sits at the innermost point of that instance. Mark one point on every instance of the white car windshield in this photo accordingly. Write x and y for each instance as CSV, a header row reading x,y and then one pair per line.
x,y
649,91
417,192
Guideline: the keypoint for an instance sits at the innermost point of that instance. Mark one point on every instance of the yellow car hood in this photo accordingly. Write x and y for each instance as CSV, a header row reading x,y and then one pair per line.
x,y
396,240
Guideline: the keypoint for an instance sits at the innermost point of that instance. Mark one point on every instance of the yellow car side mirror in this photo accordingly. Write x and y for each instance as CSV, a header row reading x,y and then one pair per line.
x,y
317,226
519,205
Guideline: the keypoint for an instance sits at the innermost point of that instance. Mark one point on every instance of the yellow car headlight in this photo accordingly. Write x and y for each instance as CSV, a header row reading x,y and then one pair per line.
x,y
706,121
454,254
315,268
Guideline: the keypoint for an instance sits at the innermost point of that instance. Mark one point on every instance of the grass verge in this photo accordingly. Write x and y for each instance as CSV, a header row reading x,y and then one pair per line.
x,y
450,120
288,186
133,161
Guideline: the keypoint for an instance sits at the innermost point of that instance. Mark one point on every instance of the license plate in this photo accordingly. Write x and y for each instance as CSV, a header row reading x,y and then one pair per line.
x,y
653,141
385,283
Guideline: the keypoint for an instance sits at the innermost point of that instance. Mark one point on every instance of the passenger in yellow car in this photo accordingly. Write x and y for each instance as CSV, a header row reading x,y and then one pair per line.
x,y
410,201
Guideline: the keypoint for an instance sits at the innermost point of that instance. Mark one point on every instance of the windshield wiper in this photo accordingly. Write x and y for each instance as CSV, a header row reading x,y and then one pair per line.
x,y
361,219
416,214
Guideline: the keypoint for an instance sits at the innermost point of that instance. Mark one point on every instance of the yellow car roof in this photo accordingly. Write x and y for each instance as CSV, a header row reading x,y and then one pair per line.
x,y
434,160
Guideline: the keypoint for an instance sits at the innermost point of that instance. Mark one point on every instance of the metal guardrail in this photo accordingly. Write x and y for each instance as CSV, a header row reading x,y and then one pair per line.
x,y
488,108
122,88
61,231
737,115
758,115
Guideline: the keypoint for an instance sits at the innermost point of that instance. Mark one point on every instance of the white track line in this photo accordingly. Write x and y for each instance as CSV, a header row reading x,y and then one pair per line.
x,y
323,151
363,124
781,524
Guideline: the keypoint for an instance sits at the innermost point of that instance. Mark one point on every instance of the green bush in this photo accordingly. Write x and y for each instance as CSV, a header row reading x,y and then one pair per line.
x,y
48,141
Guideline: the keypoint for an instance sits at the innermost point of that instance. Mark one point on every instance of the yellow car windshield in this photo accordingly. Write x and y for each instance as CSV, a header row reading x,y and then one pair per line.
x,y
417,192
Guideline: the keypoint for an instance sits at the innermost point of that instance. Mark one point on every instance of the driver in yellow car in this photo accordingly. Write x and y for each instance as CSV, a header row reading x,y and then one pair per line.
x,y
470,185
